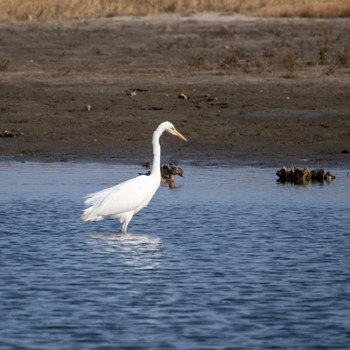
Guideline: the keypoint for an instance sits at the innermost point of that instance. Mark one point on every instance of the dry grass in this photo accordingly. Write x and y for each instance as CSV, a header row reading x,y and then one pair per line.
x,y
14,10
306,8
291,50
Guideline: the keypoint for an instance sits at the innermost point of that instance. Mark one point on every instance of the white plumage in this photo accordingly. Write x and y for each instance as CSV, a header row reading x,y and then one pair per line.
x,y
126,199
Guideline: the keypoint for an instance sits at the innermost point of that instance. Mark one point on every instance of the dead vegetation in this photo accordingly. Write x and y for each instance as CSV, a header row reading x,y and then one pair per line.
x,y
17,10
322,51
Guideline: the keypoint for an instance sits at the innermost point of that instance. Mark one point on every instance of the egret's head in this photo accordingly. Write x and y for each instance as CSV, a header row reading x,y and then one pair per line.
x,y
169,127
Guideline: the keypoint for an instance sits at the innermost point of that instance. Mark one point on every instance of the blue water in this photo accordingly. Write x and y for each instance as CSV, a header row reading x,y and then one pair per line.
x,y
229,259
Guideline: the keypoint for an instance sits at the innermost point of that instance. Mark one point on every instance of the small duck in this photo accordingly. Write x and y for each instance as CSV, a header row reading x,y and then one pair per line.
x,y
167,173
146,165
329,177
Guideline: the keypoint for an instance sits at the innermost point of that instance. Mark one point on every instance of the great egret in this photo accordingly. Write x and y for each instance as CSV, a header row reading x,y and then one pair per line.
x,y
123,201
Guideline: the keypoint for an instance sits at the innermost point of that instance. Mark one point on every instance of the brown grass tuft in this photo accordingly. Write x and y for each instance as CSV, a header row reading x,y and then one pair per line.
x,y
343,57
289,60
255,64
196,61
14,10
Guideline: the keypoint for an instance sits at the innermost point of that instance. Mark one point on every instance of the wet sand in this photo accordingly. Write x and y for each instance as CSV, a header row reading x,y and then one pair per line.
x,y
254,91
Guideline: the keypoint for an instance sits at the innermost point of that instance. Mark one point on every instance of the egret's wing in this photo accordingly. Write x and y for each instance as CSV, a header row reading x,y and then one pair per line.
x,y
125,197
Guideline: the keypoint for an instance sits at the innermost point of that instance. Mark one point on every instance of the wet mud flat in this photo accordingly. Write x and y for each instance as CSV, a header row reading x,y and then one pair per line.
x,y
242,90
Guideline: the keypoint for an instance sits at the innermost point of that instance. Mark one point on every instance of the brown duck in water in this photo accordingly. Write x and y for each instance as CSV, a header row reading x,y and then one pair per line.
x,y
168,173
303,176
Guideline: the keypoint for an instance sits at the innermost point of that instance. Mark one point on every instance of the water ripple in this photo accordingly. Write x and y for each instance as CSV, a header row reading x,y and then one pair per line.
x,y
225,261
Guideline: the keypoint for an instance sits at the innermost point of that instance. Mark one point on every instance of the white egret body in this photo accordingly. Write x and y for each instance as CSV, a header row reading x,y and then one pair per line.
x,y
123,201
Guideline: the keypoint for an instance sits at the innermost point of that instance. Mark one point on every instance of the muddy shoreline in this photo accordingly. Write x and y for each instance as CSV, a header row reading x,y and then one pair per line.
x,y
262,92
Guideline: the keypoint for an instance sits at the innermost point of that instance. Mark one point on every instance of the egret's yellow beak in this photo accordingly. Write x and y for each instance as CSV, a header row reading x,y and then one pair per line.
x,y
180,136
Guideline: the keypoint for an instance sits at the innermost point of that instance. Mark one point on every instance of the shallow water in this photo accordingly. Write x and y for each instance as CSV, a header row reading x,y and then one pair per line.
x,y
229,259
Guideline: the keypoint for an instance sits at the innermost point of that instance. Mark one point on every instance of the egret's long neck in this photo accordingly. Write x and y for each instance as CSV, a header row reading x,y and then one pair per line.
x,y
156,153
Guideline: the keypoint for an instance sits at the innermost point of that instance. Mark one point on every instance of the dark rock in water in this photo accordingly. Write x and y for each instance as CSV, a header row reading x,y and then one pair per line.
x,y
303,176
294,175
282,174
317,174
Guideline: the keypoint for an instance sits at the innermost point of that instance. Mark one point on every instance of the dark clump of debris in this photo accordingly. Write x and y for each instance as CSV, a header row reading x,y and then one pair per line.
x,y
168,173
303,176
183,96
9,133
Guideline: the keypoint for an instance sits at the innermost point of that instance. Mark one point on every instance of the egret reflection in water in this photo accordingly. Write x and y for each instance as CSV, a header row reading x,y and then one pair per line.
x,y
140,250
